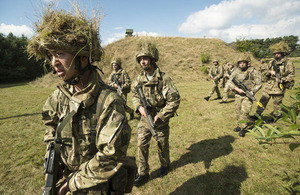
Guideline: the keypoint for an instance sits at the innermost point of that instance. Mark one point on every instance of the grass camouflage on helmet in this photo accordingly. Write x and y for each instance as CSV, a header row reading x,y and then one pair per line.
x,y
281,47
147,48
71,32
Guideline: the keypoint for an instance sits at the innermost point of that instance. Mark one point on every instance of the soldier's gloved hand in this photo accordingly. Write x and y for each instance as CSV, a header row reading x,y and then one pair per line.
x,y
157,121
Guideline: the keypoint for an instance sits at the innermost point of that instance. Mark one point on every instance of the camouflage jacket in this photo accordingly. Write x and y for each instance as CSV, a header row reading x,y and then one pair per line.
x,y
123,78
216,71
160,93
95,140
287,73
251,78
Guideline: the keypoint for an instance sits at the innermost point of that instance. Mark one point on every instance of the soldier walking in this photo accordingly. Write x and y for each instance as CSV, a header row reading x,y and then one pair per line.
x,y
251,79
120,80
216,73
227,74
163,99
278,75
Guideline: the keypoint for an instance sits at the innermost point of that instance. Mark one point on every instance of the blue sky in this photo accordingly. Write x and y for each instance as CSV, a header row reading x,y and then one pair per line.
x,y
226,20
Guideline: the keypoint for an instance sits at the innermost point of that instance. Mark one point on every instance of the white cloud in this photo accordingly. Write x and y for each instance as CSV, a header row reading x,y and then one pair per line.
x,y
229,20
16,30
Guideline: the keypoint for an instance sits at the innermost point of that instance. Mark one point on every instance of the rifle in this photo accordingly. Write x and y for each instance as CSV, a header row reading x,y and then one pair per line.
x,y
248,93
52,163
278,77
149,119
118,84
51,166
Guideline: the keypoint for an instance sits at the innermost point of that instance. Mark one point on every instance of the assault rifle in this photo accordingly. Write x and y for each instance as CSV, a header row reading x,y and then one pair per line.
x,y
248,93
51,166
118,84
149,119
278,77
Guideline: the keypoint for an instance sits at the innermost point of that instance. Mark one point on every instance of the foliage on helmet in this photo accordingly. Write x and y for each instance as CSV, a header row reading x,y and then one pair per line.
x,y
116,60
147,48
71,32
243,58
281,47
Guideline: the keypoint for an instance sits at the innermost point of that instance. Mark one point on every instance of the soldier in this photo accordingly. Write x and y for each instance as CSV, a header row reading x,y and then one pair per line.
x,y
223,79
120,77
278,75
92,128
227,74
215,73
251,78
163,98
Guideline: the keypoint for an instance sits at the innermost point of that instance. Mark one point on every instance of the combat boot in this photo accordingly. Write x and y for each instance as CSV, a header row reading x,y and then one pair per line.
x,y
242,133
207,98
218,98
222,102
237,129
163,171
141,179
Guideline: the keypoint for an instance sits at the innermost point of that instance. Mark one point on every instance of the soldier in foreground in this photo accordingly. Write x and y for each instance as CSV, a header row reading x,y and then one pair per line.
x,y
216,73
84,117
229,70
154,94
120,80
278,75
249,78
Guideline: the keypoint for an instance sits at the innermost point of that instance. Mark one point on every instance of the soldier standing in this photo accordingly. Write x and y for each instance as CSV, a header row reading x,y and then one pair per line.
x,y
163,98
120,80
84,114
250,77
216,73
227,74
278,75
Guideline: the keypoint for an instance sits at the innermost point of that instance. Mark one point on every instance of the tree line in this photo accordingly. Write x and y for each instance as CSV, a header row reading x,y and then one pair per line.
x,y
14,62
16,66
260,47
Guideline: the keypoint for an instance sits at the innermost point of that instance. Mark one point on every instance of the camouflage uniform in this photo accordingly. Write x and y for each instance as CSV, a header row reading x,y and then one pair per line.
x,y
252,80
217,73
125,83
271,88
95,140
227,73
164,99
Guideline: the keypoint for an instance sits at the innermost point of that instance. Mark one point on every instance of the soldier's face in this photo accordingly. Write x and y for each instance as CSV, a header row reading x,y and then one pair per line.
x,y
115,66
243,65
61,61
278,56
145,62
215,63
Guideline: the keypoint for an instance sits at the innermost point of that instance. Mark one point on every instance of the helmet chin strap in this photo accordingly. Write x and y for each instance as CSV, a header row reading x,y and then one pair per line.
x,y
75,80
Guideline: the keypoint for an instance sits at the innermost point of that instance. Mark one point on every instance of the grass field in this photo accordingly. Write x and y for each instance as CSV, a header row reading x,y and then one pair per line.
x,y
207,157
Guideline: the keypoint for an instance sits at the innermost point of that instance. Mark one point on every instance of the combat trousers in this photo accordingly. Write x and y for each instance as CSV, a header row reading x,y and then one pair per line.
x,y
226,92
127,108
243,107
277,102
215,88
143,143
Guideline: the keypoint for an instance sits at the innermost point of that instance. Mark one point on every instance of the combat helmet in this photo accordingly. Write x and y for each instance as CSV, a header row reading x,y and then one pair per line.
x,y
243,58
147,48
116,60
71,32
281,47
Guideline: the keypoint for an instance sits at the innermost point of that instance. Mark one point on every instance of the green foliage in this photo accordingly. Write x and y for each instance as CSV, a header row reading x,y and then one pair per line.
x,y
260,47
204,69
205,57
286,127
14,62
